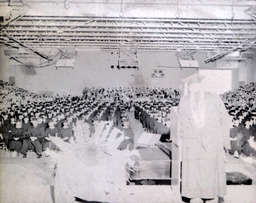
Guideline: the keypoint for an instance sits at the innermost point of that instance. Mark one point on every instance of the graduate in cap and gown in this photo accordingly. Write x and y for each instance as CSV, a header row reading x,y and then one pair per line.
x,y
204,126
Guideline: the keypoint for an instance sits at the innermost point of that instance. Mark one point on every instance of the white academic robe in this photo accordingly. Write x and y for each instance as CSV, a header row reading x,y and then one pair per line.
x,y
203,163
97,175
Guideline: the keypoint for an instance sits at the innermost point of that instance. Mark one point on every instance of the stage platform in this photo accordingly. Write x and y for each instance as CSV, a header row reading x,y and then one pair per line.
x,y
30,180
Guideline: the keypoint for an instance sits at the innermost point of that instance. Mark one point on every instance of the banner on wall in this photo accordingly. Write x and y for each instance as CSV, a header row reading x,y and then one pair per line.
x,y
157,73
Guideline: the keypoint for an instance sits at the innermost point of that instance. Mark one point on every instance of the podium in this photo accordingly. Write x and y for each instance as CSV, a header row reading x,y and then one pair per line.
x,y
154,167
160,164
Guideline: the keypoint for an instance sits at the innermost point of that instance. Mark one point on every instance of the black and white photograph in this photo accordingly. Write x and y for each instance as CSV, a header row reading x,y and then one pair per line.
x,y
128,101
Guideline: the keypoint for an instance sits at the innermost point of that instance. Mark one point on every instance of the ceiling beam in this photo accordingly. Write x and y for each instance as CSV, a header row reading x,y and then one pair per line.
x,y
42,55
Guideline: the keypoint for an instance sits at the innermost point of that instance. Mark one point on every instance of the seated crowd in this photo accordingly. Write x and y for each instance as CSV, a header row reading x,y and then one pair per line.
x,y
27,119
10,94
241,105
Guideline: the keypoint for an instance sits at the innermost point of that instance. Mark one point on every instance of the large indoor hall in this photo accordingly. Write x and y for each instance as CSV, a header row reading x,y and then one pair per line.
x,y
127,101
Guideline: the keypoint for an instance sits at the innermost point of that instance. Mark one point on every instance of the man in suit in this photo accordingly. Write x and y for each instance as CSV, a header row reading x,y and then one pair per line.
x,y
5,127
37,136
66,132
50,130
16,137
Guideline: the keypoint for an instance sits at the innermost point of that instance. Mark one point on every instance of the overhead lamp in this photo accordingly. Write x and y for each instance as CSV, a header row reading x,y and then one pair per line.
x,y
11,51
188,63
65,63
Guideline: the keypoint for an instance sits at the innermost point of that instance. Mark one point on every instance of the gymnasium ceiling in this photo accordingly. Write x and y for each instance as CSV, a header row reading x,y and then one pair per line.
x,y
169,25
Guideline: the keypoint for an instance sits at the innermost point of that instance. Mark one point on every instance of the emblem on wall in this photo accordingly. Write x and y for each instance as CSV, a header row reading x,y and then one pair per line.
x,y
157,73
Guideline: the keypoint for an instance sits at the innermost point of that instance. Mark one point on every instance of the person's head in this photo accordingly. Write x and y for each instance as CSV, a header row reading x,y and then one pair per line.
x,y
192,83
40,120
26,119
240,118
244,113
44,117
51,124
248,123
54,119
34,122
69,119
251,101
20,117
5,116
12,120
49,115
254,120
236,122
18,124
25,113
65,124
37,114
59,116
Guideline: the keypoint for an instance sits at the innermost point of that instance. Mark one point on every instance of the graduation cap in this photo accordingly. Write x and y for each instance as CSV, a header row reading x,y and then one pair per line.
x,y
253,112
194,78
232,112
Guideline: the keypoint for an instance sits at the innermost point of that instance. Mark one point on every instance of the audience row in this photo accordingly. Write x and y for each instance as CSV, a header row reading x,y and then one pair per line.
x,y
28,119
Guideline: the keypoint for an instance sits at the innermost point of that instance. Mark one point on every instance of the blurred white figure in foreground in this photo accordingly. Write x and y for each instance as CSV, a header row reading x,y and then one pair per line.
x,y
204,126
91,170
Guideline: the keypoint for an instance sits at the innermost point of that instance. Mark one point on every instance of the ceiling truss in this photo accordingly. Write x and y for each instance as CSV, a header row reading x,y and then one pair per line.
x,y
148,33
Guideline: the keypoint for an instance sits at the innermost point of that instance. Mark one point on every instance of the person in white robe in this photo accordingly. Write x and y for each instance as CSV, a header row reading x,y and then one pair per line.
x,y
92,170
204,126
